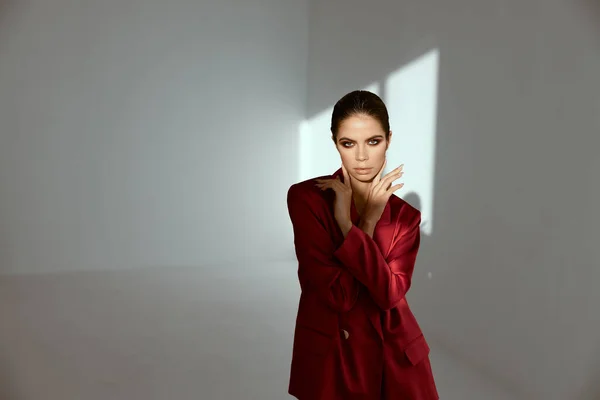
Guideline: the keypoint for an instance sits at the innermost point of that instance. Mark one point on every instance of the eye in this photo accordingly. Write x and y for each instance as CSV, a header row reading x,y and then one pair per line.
x,y
371,141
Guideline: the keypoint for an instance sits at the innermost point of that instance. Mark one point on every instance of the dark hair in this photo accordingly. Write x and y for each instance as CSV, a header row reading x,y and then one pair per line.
x,y
356,103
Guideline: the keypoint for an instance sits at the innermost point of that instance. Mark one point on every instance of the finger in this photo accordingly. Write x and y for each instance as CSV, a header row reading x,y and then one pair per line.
x,y
378,174
335,183
323,185
339,185
395,187
392,176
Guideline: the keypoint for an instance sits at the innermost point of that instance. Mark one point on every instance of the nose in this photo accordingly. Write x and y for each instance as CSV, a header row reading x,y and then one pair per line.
x,y
361,154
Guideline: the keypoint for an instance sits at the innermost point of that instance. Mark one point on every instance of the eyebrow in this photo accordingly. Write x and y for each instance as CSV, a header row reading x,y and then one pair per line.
x,y
372,137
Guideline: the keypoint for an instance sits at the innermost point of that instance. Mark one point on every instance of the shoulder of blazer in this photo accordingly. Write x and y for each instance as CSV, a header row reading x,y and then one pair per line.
x,y
304,188
403,213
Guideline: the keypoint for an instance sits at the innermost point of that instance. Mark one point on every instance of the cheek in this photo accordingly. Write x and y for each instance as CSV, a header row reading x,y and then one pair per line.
x,y
378,154
345,155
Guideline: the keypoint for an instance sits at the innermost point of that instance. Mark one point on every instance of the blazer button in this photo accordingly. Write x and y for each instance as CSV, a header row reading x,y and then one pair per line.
x,y
346,334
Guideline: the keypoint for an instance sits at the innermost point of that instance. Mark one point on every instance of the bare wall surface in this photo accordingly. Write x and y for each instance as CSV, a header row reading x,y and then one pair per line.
x,y
146,133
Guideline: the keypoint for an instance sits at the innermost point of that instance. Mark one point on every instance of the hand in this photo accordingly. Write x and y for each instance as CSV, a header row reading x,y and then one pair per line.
x,y
380,192
343,196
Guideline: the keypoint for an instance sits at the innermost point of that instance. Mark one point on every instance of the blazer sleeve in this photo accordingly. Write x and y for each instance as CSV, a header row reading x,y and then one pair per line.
x,y
387,282
318,270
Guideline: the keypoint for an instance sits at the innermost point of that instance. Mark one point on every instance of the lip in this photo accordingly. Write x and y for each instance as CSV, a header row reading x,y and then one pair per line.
x,y
363,170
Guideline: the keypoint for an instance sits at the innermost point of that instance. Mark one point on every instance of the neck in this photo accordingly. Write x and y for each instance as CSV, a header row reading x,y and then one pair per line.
x,y
360,190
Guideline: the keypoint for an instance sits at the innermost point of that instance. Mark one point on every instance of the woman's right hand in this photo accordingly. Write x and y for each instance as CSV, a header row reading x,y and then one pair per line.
x,y
343,197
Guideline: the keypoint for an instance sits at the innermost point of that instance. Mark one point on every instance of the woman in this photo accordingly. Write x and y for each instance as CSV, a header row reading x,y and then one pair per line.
x,y
356,244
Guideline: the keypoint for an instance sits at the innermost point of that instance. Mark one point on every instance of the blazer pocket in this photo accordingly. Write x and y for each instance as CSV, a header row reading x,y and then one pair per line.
x,y
312,341
417,350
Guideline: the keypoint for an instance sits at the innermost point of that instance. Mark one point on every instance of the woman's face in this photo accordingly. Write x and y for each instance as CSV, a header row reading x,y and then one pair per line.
x,y
361,143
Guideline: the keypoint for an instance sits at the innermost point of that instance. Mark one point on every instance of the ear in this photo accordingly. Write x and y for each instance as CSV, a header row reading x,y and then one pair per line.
x,y
389,140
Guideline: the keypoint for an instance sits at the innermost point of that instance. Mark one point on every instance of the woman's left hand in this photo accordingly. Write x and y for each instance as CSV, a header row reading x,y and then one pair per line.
x,y
343,197
380,192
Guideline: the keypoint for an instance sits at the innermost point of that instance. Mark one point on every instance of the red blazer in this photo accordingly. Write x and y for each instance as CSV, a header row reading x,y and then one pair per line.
x,y
355,335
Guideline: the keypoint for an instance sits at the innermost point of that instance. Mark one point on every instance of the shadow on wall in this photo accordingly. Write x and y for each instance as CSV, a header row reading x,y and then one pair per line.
x,y
591,389
9,336
414,200
593,6
5,6
591,9
7,379
7,382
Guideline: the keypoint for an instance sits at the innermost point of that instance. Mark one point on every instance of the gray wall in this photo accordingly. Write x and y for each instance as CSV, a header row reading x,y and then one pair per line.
x,y
514,252
147,133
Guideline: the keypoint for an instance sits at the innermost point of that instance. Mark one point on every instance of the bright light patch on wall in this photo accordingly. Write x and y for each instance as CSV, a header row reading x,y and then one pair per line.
x,y
317,151
411,98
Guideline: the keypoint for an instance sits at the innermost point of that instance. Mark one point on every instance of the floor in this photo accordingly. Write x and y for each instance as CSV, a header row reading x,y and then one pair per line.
x,y
170,333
